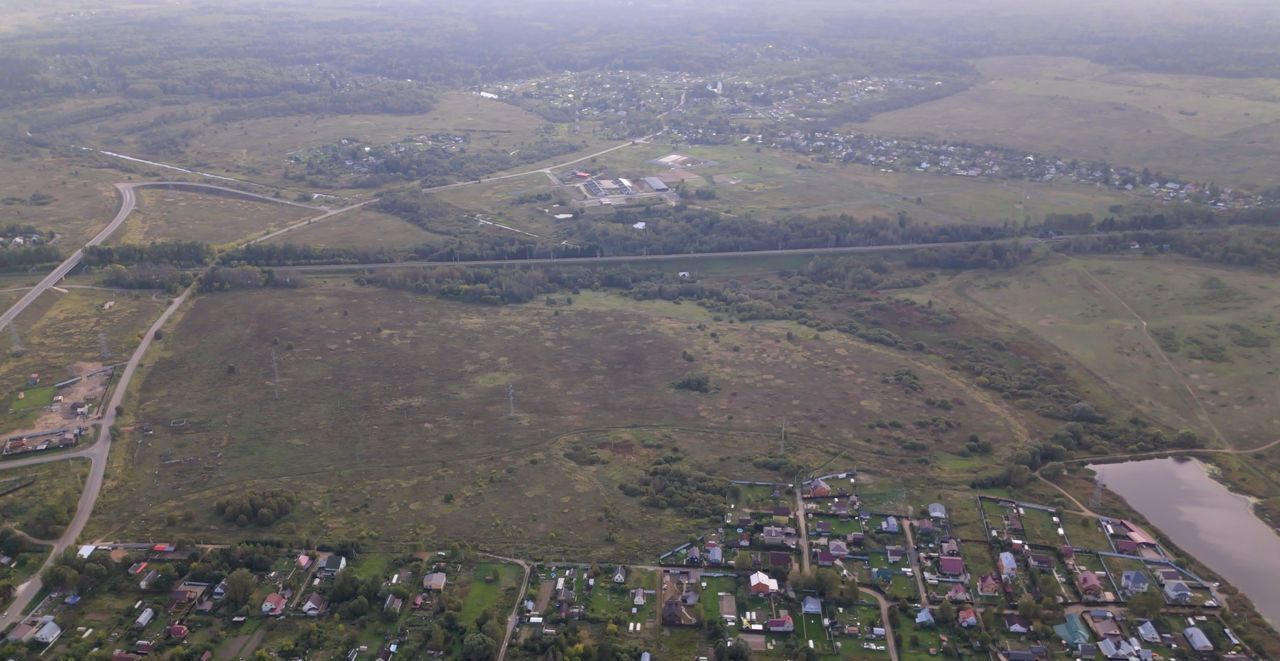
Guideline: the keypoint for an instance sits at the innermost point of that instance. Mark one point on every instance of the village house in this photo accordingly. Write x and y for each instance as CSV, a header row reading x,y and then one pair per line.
x,y
951,566
958,593
332,565
1014,623
1197,640
937,511
274,604
890,525
894,553
1007,565
819,489
435,581
1133,582
968,618
762,584
315,605
1177,592
811,605
950,546
781,515
773,536
781,624
1102,623
1089,585
637,597
620,575
989,585
1040,562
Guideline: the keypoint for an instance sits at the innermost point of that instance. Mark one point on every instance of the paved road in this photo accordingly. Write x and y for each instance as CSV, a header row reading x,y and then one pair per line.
x,y
98,454
128,201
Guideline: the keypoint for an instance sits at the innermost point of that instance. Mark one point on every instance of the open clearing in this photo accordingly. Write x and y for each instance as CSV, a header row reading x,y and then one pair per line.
x,y
59,330
1210,129
170,215
1217,326
40,500
361,229
83,198
391,418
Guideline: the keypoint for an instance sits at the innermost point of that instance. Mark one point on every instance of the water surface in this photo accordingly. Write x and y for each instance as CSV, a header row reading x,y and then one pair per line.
x,y
1206,520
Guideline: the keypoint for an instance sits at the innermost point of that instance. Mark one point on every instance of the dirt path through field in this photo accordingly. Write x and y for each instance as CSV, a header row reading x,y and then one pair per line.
x,y
1164,357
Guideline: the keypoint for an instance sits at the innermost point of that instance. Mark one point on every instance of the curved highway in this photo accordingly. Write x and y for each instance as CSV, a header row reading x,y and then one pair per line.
x,y
99,451
128,202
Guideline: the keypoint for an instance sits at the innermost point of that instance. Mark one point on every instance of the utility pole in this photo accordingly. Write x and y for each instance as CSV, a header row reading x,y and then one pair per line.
x,y
275,367
511,401
105,351
784,436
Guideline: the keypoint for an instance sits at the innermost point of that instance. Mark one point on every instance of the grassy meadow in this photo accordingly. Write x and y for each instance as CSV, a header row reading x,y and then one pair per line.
x,y
170,215
1214,325
390,419
1205,128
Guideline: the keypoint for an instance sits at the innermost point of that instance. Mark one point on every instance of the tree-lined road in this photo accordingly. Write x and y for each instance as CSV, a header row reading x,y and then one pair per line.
x,y
128,202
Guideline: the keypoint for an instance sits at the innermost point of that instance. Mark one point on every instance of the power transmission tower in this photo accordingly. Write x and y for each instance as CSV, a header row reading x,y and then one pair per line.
x,y
105,351
275,367
511,401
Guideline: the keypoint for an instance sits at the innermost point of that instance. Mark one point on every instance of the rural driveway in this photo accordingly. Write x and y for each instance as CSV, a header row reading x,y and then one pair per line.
x,y
514,618
884,621
914,557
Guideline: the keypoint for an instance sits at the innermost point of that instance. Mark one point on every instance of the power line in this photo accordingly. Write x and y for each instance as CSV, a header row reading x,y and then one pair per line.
x,y
17,347
275,367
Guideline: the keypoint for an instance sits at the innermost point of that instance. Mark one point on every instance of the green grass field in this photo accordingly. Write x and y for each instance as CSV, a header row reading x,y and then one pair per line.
x,y
61,330
391,418
363,229
168,215
484,593
1210,129
1214,324
42,498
